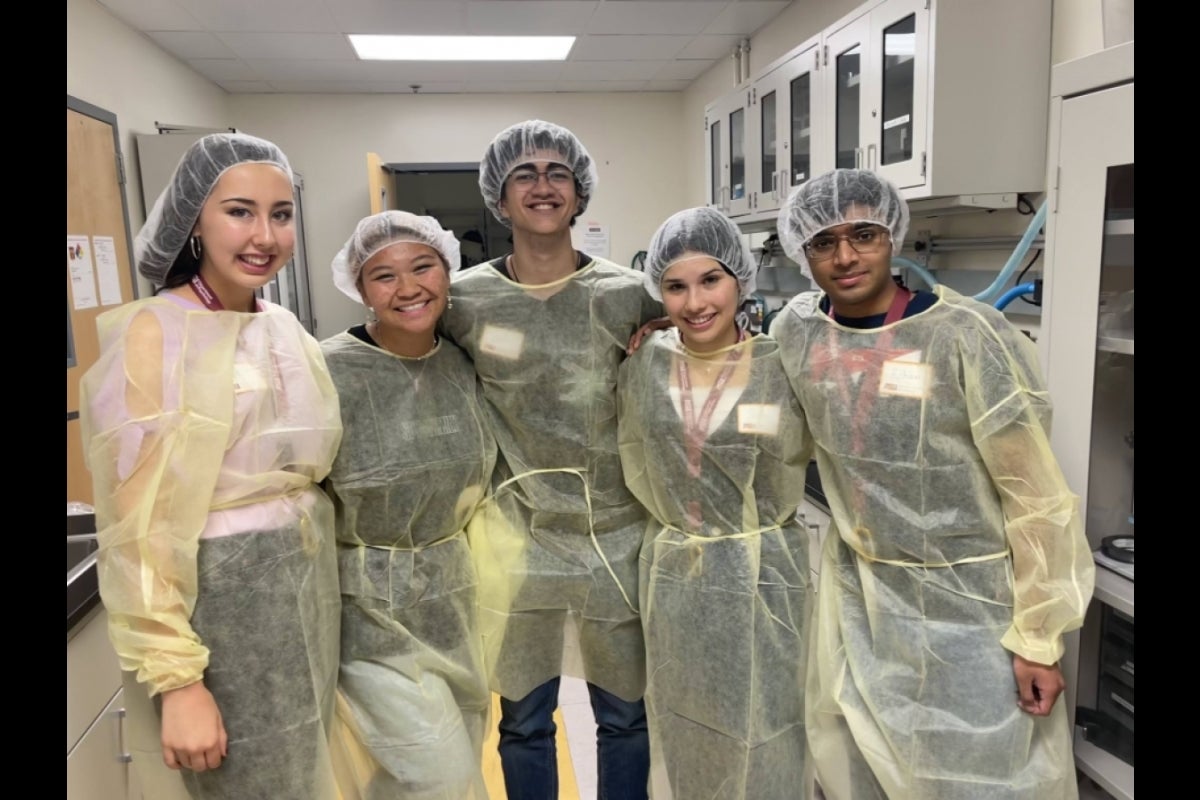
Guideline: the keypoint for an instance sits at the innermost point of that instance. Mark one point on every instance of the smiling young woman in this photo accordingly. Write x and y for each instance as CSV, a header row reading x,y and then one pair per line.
x,y
209,419
715,447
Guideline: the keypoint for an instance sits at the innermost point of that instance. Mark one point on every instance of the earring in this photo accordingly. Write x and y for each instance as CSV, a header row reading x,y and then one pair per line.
x,y
449,300
195,245
372,317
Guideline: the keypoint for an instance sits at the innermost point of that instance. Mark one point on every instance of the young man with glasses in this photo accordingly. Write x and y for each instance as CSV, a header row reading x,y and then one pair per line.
x,y
956,559
556,544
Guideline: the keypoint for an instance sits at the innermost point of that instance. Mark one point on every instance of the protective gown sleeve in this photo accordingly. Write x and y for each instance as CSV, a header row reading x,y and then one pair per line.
x,y
154,447
1053,570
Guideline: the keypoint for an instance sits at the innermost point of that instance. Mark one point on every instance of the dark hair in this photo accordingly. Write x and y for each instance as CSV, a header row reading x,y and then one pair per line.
x,y
182,269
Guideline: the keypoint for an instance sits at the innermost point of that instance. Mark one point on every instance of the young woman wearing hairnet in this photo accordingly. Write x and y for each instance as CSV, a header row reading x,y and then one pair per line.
x,y
713,443
557,541
415,460
956,560
208,420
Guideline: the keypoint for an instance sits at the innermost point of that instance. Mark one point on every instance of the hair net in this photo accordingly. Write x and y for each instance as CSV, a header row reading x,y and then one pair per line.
x,y
173,217
835,198
699,230
378,231
534,140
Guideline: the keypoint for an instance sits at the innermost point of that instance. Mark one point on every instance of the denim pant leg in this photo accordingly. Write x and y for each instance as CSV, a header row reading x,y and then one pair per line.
x,y
527,752
622,746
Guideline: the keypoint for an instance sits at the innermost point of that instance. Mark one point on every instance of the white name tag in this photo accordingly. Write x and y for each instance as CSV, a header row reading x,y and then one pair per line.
x,y
501,342
758,419
246,378
904,377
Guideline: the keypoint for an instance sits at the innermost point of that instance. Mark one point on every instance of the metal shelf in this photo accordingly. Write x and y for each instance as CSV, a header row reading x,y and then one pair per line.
x,y
1113,774
1115,344
1114,590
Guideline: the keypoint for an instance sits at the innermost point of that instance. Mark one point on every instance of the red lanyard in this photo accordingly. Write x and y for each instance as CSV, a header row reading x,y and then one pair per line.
x,y
695,431
872,364
208,296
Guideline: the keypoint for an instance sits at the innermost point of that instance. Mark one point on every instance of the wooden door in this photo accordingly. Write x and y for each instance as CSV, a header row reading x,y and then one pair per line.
x,y
99,271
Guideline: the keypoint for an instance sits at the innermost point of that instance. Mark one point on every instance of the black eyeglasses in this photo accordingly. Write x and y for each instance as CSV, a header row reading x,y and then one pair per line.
x,y
863,240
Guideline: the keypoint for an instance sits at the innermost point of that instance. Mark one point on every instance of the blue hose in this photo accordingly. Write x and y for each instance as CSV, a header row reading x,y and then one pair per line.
x,y
1014,260
917,268
1014,293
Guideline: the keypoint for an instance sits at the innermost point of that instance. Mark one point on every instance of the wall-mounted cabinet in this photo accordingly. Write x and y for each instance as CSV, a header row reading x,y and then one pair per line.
x,y
783,108
943,98
1088,352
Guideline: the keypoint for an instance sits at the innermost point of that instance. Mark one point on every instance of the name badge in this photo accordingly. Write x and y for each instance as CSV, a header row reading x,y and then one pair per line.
x,y
906,377
501,342
246,378
758,419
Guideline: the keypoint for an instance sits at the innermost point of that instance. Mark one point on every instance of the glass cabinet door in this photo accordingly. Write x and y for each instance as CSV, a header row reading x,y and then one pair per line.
x,y
768,143
739,200
897,95
801,130
785,98
730,183
844,62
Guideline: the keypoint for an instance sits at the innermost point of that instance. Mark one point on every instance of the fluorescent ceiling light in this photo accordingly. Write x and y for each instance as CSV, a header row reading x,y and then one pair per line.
x,y
462,48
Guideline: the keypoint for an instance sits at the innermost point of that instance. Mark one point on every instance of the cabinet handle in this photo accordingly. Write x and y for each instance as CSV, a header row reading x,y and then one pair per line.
x,y
870,156
123,756
775,186
1121,701
858,158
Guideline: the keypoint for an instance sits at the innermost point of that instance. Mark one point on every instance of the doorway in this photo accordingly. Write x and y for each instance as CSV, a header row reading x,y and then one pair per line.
x,y
450,194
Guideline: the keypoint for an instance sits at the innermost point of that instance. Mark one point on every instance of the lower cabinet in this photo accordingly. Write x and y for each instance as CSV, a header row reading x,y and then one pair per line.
x,y
98,764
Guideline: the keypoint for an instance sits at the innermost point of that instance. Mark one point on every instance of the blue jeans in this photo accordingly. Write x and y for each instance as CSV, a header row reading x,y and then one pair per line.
x,y
528,755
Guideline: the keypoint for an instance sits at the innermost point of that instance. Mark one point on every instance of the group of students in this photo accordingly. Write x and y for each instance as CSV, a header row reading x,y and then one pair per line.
x,y
319,560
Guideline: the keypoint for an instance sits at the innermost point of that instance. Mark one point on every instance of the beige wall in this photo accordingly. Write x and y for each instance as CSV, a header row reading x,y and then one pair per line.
x,y
634,139
123,72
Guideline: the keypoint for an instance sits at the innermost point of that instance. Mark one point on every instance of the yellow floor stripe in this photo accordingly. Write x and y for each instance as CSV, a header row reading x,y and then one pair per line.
x,y
568,789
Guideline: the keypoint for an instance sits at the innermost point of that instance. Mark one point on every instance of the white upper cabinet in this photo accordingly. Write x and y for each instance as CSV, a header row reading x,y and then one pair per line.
x,y
727,125
783,105
945,98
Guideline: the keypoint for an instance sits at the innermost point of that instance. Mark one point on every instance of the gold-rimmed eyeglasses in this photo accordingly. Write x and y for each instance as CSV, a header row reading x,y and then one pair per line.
x,y
863,240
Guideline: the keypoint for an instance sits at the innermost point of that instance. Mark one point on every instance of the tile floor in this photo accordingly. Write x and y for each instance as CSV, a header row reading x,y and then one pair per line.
x,y
576,709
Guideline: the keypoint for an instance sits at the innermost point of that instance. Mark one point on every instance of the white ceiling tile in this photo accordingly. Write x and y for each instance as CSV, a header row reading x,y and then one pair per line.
x,y
360,87
152,15
290,45
186,45
528,17
398,17
710,47
296,69
600,86
261,16
611,70
409,72
746,17
683,70
628,48
654,17
666,86
515,87
225,69
247,87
